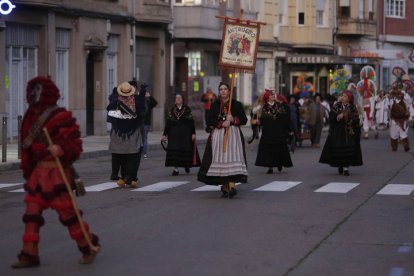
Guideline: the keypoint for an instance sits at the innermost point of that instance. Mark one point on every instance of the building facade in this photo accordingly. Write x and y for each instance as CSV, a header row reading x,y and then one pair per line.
x,y
197,40
87,48
396,38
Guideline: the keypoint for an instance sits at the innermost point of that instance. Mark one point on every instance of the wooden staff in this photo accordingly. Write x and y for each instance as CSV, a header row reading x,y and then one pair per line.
x,y
69,188
226,131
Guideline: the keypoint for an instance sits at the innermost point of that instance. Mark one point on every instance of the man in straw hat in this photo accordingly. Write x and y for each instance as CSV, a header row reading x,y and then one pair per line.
x,y
125,143
45,183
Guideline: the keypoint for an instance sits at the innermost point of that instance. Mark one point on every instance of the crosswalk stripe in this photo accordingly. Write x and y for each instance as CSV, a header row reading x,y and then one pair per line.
x,y
160,186
209,188
9,185
396,189
101,187
337,187
278,186
17,191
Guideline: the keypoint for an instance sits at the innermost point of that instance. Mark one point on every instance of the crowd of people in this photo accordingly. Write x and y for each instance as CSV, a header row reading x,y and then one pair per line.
x,y
278,123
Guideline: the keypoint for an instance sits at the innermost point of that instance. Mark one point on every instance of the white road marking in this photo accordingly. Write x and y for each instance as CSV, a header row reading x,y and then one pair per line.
x,y
209,188
9,185
278,186
337,187
17,191
396,271
396,189
160,186
101,187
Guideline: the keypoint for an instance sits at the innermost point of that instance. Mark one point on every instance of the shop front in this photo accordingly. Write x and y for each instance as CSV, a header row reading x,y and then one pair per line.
x,y
306,75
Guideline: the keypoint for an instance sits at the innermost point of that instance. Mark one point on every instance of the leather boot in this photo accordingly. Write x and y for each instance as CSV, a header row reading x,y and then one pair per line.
x,y
394,144
232,191
406,144
26,260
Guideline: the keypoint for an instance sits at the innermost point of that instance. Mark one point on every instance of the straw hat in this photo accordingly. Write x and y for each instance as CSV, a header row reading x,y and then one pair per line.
x,y
125,89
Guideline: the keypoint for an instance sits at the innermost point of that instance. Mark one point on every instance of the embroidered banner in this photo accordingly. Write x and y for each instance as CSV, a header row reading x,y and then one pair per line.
x,y
239,46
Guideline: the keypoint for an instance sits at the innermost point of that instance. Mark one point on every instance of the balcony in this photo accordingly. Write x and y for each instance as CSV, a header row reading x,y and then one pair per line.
x,y
200,22
356,27
305,37
155,12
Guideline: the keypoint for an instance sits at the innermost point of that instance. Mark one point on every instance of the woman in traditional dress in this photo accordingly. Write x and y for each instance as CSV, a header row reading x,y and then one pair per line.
x,y
224,161
180,133
275,120
342,147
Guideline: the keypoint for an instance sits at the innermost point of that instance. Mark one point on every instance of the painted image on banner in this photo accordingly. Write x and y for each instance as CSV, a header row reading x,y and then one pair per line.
x,y
239,45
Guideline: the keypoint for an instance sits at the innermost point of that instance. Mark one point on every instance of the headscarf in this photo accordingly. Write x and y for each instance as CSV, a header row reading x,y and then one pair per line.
x,y
267,94
350,96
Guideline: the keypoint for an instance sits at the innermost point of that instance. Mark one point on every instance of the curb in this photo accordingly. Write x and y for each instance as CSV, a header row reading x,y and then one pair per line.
x,y
15,165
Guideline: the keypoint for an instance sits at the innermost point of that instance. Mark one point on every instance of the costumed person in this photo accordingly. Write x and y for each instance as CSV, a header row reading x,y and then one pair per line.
x,y
342,147
219,166
45,185
127,111
115,166
275,121
381,110
151,103
303,88
399,106
294,108
316,115
254,118
367,89
180,133
208,98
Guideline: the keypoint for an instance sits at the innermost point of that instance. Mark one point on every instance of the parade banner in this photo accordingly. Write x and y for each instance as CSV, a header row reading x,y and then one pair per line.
x,y
239,46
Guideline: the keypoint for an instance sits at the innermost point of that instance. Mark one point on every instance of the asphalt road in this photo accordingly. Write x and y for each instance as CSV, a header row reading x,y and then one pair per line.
x,y
299,231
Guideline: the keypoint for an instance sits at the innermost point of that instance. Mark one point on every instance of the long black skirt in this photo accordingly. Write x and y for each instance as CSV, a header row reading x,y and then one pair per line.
x,y
273,155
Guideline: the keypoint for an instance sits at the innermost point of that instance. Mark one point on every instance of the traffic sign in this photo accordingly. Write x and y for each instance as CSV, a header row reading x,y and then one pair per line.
x,y
6,7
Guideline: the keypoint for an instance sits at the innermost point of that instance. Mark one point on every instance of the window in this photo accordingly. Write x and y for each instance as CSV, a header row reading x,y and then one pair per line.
x,y
191,2
194,63
361,9
320,7
395,8
282,11
62,65
211,2
344,10
301,12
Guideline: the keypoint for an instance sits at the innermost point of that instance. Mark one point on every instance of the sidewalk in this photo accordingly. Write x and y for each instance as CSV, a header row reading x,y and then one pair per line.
x,y
93,146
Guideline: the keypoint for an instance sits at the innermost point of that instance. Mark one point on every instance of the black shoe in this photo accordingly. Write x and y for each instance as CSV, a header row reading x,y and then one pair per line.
x,y
346,172
279,169
187,170
340,170
175,172
232,192
269,171
223,192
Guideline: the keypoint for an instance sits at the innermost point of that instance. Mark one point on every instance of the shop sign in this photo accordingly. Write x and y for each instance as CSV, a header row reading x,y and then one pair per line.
x,y
310,59
411,55
364,54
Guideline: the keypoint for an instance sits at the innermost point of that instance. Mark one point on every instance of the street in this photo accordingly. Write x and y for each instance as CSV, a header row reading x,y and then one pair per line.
x,y
306,220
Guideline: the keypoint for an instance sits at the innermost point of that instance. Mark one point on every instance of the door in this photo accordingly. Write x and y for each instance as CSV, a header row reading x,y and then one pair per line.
x,y
90,107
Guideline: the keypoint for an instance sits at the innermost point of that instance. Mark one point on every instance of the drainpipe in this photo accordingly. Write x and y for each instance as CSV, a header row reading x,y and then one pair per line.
x,y
132,41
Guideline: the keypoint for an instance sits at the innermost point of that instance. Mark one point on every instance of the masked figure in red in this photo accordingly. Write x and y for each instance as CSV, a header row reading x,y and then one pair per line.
x,y
45,186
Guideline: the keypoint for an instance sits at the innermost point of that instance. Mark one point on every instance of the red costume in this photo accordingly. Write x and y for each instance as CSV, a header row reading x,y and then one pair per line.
x,y
45,186
208,98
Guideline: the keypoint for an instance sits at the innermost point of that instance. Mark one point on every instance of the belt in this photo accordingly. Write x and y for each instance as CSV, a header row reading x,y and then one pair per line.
x,y
47,164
